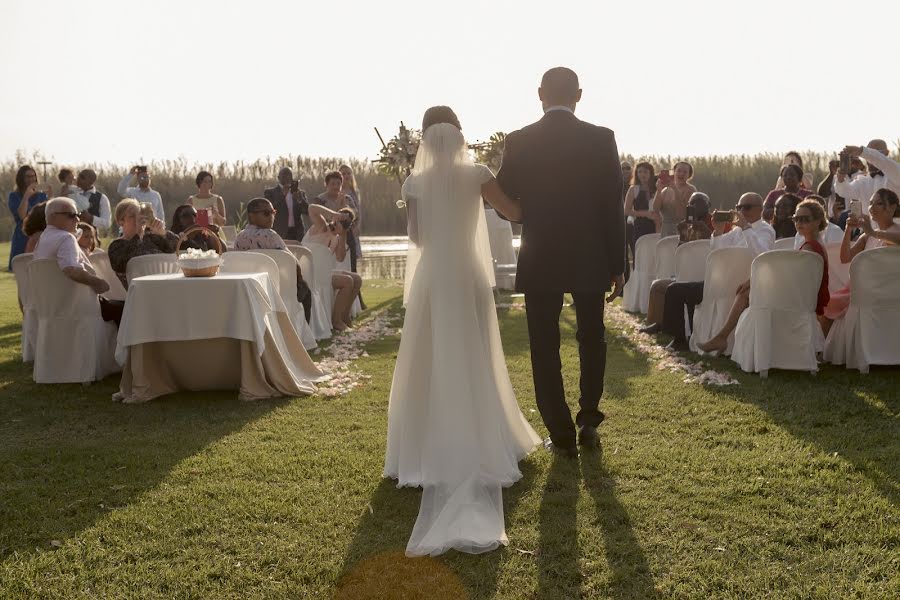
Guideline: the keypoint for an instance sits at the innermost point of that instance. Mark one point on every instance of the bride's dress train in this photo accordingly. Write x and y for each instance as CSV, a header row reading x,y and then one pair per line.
x,y
454,427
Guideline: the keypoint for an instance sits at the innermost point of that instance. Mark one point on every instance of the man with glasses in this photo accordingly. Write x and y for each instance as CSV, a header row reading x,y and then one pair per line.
x,y
58,242
748,231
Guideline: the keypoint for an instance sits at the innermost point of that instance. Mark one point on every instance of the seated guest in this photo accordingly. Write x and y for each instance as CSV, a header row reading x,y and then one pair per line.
x,y
185,217
34,224
93,205
832,233
88,241
259,234
810,219
782,219
204,198
329,228
697,226
884,207
140,236
748,231
58,242
791,175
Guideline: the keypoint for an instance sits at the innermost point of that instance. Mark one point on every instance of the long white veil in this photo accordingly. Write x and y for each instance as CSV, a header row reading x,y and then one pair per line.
x,y
442,178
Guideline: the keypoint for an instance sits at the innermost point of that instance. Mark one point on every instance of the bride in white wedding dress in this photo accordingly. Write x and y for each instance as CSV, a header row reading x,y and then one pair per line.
x,y
454,427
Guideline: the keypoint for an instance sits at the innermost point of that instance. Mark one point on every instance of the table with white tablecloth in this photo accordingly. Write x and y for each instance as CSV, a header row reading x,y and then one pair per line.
x,y
227,332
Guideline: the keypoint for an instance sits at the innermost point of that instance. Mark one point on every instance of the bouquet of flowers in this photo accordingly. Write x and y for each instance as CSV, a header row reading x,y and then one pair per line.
x,y
490,153
398,155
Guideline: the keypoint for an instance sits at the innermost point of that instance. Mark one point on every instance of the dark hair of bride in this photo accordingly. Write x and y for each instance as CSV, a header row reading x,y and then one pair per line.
x,y
440,114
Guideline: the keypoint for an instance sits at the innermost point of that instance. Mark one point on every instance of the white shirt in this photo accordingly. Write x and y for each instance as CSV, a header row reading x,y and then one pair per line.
x,y
863,187
61,245
887,165
759,237
831,235
82,202
141,195
559,107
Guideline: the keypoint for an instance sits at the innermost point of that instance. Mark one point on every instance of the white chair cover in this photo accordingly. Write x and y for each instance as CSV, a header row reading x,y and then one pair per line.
x,y
318,320
665,257
323,294
500,237
726,269
151,264
239,261
784,244
779,329
869,333
74,344
690,260
287,269
290,243
636,296
838,273
100,261
29,316
344,265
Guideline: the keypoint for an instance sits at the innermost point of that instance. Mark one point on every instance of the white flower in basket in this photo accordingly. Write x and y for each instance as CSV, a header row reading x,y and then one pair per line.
x,y
199,263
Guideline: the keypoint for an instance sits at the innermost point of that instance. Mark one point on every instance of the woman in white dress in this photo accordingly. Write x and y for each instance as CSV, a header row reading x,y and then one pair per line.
x,y
454,427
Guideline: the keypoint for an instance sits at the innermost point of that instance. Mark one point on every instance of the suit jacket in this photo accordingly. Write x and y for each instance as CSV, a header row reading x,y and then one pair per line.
x,y
276,196
567,176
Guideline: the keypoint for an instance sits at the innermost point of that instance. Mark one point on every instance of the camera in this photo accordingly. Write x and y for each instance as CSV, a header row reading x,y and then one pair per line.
x,y
690,213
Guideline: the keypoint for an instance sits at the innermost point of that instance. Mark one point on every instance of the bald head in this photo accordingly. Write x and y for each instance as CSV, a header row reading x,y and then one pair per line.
x,y
879,145
559,87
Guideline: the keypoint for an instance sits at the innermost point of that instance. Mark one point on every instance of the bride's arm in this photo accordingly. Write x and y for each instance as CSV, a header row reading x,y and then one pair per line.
x,y
503,204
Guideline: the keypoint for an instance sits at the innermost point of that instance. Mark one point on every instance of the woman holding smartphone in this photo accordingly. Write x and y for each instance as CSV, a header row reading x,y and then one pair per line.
x,y
27,193
671,202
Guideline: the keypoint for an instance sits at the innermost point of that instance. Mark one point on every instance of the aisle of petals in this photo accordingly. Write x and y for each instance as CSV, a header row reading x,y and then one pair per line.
x,y
628,326
347,347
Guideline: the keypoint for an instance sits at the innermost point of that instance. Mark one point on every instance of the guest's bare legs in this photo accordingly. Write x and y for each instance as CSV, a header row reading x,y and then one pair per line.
x,y
343,300
719,342
825,323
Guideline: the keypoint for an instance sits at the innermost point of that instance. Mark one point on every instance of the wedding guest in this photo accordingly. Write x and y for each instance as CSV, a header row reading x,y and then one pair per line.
x,y
27,194
185,217
638,200
783,216
877,157
329,228
671,202
791,176
793,158
626,175
748,230
93,205
862,188
34,225
832,234
810,220
205,199
289,203
884,207
350,188
259,234
142,192
66,179
139,237
88,241
58,242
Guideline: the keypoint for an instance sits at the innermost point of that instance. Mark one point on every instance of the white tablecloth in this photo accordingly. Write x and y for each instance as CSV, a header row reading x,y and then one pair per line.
x,y
230,331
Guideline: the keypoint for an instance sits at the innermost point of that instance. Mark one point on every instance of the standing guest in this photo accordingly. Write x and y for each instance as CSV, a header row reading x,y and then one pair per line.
x,y
811,222
142,192
350,188
66,178
671,202
259,234
204,198
58,242
92,204
862,188
34,225
791,175
638,200
26,195
139,237
627,176
877,156
832,234
329,228
793,158
289,203
783,216
185,217
88,241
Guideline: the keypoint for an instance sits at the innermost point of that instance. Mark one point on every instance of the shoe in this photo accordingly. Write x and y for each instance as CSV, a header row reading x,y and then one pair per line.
x,y
588,437
651,329
560,450
678,346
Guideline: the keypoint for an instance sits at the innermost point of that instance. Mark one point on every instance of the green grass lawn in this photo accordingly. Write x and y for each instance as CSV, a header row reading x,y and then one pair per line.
x,y
783,488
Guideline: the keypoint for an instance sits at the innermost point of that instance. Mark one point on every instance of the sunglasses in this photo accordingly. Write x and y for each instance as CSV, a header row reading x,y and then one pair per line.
x,y
267,212
746,206
802,219
70,215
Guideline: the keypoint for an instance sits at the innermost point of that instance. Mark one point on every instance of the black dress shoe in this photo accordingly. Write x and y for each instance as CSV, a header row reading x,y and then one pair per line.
x,y
679,346
560,450
652,329
588,437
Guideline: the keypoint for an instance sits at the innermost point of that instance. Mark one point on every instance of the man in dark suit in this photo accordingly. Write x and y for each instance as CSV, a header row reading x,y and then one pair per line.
x,y
566,176
290,204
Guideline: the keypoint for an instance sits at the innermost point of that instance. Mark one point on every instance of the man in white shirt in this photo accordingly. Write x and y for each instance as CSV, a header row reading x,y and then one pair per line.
x,y
748,231
92,205
883,173
142,192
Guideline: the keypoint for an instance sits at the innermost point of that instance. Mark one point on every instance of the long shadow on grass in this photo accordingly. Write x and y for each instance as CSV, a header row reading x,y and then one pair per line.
x,y
68,455
559,575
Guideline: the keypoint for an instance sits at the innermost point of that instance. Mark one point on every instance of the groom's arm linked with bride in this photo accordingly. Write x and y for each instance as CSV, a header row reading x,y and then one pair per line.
x,y
563,181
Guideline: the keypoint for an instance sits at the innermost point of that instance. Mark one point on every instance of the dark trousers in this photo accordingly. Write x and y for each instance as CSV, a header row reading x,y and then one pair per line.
x,y
111,310
292,233
679,295
543,310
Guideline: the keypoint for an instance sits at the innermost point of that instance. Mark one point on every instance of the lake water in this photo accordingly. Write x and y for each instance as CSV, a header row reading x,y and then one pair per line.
x,y
384,257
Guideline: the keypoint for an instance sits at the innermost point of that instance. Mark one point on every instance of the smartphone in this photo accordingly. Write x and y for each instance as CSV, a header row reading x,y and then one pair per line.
x,y
845,163
690,214
147,211
664,179
202,217
723,216
856,208
141,168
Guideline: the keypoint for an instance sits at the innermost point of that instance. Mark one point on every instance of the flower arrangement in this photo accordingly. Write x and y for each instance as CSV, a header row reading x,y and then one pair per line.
x,y
398,155
490,153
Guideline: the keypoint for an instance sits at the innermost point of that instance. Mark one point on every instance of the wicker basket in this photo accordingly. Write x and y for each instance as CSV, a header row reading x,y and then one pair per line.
x,y
209,270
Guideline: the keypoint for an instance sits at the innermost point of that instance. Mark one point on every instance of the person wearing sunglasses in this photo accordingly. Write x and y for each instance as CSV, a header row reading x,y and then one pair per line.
x,y
832,234
809,219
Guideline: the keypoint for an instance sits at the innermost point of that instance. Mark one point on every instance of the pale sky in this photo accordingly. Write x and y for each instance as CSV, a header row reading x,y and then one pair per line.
x,y
122,80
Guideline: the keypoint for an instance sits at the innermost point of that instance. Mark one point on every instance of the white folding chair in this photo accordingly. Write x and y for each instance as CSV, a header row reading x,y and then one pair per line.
x,y
151,264
287,270
838,272
74,344
690,260
780,330
29,316
292,243
784,244
726,269
239,261
500,237
323,292
665,257
636,296
869,333
100,262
